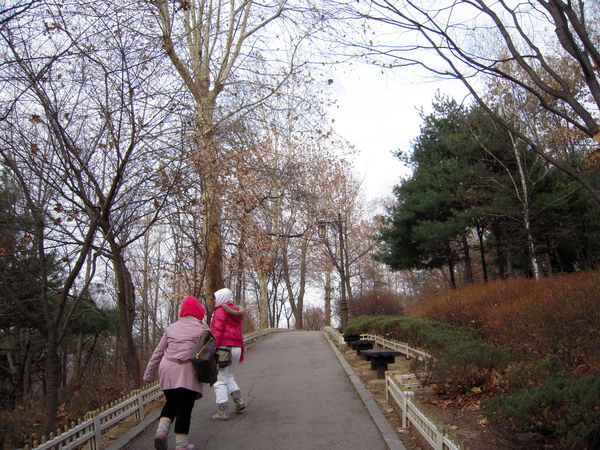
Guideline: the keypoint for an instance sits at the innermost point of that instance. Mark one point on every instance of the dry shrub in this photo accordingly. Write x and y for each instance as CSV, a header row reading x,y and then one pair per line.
x,y
552,317
376,303
548,394
470,305
21,425
313,318
529,399
24,424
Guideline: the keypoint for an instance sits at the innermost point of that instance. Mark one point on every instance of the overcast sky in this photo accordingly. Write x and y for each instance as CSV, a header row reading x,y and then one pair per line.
x,y
379,113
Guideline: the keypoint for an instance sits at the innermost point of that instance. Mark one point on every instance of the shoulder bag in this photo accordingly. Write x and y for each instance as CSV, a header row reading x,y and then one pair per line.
x,y
223,356
204,359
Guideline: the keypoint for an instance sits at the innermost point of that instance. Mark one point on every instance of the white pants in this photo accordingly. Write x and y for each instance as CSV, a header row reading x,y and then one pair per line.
x,y
225,382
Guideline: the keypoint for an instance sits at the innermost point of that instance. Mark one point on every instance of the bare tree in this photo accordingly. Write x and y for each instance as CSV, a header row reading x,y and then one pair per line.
x,y
54,300
214,46
120,175
10,11
553,42
82,129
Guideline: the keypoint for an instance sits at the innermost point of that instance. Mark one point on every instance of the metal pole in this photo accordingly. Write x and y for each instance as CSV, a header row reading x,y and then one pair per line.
x,y
328,298
343,303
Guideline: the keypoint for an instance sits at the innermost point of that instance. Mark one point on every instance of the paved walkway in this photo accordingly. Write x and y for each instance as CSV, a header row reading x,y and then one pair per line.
x,y
301,394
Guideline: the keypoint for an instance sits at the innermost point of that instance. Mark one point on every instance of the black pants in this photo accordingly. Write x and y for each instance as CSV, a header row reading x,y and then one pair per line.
x,y
180,403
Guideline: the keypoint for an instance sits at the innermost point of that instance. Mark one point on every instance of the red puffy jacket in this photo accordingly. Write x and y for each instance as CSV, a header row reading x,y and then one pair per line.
x,y
226,326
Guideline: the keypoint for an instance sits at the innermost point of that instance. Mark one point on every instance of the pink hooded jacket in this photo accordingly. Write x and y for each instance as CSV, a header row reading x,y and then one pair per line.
x,y
226,324
175,345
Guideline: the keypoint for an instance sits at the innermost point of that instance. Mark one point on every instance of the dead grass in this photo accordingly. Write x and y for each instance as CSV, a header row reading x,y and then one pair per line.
x,y
552,317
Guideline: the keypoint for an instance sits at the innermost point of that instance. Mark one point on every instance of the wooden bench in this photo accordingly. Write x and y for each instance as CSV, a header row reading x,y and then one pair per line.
x,y
362,344
380,359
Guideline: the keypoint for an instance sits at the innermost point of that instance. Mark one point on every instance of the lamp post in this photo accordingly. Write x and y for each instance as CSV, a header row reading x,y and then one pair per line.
x,y
340,265
328,290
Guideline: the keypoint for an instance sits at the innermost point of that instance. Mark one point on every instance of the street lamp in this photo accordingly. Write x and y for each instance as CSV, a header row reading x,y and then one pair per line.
x,y
322,229
340,265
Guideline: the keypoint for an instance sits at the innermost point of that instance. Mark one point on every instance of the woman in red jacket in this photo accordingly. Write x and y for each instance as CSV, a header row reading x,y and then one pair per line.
x,y
226,326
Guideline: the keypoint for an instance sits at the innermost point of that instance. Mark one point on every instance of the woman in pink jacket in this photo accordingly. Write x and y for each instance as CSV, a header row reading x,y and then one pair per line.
x,y
226,326
176,374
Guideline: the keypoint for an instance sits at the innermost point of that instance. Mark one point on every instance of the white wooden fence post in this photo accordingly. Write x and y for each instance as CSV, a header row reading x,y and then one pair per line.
x,y
140,402
404,411
96,443
405,400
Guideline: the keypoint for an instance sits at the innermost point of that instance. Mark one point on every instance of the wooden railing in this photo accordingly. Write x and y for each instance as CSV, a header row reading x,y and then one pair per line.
x,y
251,338
89,429
438,436
403,347
334,335
398,387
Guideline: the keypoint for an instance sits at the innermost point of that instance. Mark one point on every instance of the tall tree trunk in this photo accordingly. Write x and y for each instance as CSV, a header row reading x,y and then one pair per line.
x,y
52,381
145,319
468,263
559,261
239,275
126,306
344,278
297,307
299,311
90,352
22,366
508,253
27,372
500,251
154,309
482,253
213,244
214,253
263,300
524,196
78,358
592,262
265,267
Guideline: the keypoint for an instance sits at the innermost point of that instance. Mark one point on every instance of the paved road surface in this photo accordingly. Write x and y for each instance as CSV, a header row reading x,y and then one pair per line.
x,y
301,394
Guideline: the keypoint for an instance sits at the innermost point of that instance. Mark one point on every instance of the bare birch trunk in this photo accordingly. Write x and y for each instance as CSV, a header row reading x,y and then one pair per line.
x,y
526,208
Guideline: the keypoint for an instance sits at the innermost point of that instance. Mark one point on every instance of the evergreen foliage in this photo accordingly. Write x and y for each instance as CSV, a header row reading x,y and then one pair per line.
x,y
562,413
470,179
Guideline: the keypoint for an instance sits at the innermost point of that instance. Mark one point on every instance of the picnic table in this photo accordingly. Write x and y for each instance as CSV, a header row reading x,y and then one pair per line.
x,y
351,337
361,344
380,359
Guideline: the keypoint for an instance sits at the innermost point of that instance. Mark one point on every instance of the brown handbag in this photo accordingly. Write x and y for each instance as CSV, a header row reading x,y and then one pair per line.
x,y
204,358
